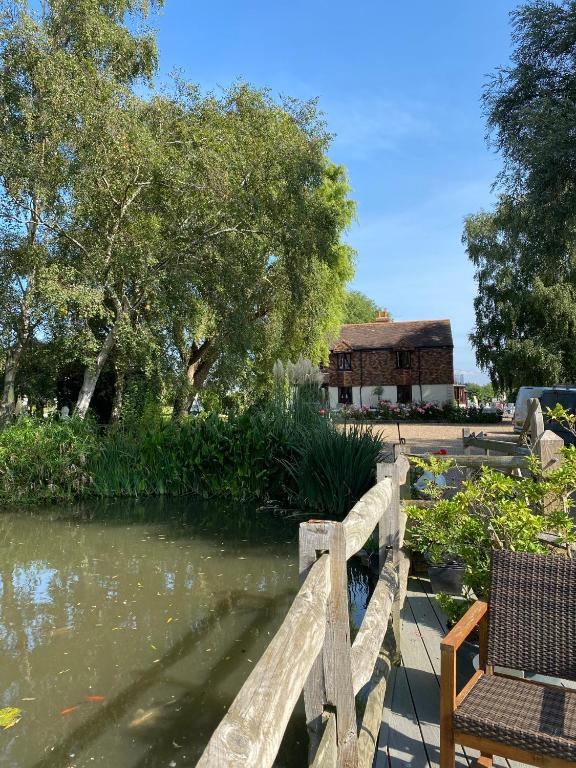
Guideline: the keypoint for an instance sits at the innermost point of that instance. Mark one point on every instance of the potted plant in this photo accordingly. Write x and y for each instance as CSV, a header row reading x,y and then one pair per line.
x,y
494,511
431,536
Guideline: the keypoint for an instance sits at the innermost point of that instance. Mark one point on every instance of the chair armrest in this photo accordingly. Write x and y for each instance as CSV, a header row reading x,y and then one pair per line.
x,y
467,623
448,647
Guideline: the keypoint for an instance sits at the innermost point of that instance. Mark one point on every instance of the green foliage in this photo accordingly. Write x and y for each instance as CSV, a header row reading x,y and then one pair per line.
x,y
171,234
332,469
561,416
359,308
284,449
524,251
525,307
207,455
449,412
453,607
63,66
496,511
43,460
482,392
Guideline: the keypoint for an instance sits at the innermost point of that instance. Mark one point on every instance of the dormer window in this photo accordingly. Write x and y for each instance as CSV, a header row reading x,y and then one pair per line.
x,y
404,359
344,361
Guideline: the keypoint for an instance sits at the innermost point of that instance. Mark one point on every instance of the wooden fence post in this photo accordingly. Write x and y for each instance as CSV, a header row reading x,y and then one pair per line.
x,y
311,542
536,420
389,538
390,521
332,685
467,450
549,450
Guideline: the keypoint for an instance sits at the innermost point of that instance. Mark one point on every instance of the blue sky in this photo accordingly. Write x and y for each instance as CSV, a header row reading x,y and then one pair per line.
x,y
400,86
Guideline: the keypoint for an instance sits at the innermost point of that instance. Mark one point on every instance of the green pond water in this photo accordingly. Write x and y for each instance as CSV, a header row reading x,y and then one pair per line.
x,y
127,629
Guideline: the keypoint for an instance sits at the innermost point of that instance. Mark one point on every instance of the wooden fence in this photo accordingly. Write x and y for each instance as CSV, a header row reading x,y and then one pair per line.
x,y
533,440
312,651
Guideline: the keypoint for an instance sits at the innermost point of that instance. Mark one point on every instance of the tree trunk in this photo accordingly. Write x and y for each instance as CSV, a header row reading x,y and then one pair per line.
x,y
200,362
196,376
180,407
92,373
8,406
120,385
186,391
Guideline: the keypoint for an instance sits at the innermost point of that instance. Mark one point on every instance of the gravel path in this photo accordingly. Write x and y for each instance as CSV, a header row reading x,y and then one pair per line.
x,y
427,438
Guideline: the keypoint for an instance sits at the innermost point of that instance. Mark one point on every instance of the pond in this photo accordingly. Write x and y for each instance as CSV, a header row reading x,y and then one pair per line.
x,y
128,628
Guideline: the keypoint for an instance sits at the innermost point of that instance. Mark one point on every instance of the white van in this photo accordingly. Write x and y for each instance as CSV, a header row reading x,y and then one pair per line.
x,y
524,394
521,408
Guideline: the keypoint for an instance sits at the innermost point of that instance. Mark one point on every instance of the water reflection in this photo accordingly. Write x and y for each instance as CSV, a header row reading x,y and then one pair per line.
x,y
128,629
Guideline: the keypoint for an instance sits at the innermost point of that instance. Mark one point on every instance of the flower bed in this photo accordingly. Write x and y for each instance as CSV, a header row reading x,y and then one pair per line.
x,y
388,411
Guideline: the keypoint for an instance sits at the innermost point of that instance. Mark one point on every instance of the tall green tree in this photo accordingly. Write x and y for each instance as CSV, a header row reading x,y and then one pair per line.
x,y
116,256
53,60
176,233
359,308
208,228
262,266
524,251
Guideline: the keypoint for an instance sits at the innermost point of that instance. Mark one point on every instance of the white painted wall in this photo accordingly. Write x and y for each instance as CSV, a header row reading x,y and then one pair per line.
x,y
434,393
333,397
431,393
370,398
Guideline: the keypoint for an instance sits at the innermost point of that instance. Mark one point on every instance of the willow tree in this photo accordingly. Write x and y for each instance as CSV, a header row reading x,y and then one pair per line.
x,y
256,234
53,61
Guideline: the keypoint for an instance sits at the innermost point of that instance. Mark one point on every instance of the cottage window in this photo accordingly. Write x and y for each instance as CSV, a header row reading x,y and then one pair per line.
x,y
344,361
345,395
403,359
404,394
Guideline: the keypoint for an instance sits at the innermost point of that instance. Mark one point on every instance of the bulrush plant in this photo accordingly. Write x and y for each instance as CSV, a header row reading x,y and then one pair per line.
x,y
332,468
329,469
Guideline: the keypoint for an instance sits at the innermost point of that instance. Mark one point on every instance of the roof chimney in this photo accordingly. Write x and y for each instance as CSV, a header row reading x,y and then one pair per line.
x,y
383,316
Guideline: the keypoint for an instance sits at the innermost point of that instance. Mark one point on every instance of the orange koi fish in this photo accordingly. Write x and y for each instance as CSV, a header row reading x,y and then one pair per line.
x,y
69,710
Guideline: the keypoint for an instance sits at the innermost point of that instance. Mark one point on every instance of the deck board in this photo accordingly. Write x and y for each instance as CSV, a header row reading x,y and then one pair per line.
x,y
410,733
405,740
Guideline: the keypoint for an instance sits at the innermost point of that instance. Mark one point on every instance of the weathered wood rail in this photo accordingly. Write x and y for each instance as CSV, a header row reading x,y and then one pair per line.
x,y
312,651
533,440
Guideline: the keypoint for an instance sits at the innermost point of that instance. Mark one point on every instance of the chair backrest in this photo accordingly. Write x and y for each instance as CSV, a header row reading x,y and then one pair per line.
x,y
532,613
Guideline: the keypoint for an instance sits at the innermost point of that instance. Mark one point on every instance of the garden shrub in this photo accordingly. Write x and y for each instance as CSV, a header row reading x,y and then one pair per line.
x,y
449,412
496,511
294,455
43,460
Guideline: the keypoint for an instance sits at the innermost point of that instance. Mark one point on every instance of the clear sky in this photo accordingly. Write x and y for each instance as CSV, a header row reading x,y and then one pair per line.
x,y
400,85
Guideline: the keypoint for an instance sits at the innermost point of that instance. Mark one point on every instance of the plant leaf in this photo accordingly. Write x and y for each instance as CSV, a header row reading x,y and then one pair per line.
x,y
9,716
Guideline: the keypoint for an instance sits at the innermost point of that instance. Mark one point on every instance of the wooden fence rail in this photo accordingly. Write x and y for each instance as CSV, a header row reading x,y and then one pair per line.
x,y
312,651
544,444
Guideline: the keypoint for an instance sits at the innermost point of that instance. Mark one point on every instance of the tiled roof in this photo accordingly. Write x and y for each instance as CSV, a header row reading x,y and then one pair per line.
x,y
391,335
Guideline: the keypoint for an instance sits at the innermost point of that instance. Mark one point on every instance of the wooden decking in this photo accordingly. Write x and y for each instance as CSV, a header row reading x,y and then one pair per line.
x,y
410,734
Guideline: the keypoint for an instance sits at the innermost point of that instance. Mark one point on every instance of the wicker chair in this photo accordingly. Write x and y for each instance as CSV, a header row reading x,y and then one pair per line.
x,y
529,625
